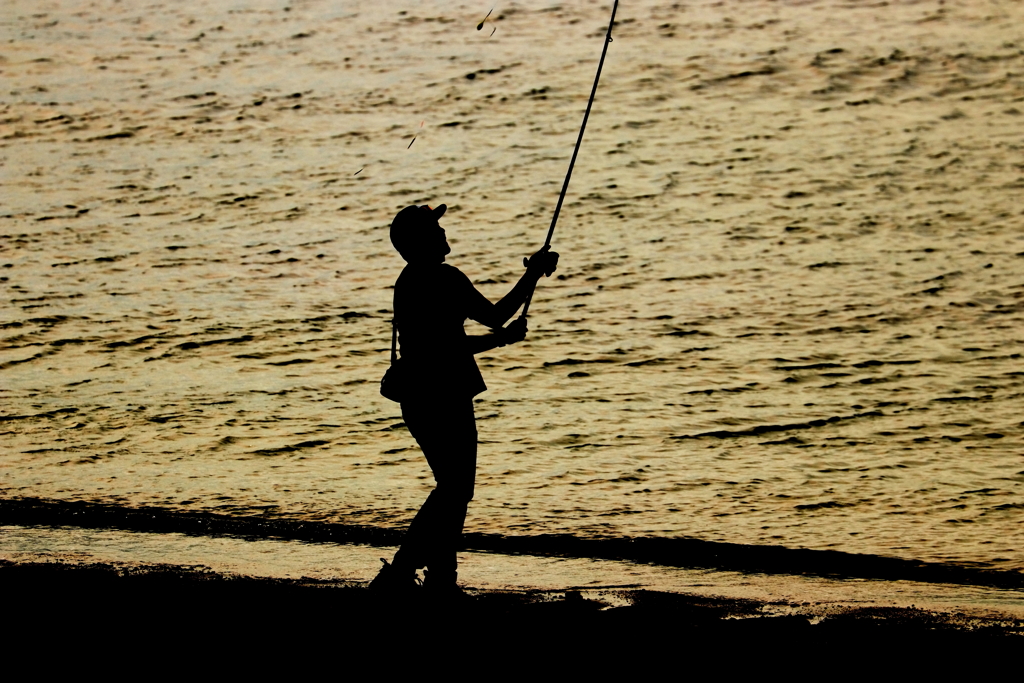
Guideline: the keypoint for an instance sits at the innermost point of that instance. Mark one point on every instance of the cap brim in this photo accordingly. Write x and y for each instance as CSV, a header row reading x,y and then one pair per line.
x,y
439,210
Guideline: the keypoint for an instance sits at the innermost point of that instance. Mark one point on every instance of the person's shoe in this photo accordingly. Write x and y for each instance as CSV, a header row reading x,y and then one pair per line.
x,y
390,579
444,586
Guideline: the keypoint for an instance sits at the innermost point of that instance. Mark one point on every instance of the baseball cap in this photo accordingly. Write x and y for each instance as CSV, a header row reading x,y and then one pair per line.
x,y
412,218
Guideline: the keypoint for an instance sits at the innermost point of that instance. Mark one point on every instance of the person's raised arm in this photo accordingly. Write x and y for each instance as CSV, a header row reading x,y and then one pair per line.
x,y
496,315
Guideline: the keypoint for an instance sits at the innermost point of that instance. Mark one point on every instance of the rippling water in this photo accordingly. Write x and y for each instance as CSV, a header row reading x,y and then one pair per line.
x,y
788,309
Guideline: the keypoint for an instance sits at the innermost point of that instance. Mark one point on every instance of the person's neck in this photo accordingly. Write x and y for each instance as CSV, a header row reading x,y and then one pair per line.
x,y
426,261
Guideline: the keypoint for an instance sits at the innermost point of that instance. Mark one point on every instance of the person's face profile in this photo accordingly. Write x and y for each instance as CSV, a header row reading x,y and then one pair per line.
x,y
429,244
442,239
433,242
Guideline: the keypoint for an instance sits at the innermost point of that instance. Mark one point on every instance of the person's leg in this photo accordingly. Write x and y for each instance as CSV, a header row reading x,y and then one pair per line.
x,y
446,433
454,471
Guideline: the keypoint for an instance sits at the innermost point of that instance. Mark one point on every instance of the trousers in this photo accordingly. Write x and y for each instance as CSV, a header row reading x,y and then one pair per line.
x,y
445,430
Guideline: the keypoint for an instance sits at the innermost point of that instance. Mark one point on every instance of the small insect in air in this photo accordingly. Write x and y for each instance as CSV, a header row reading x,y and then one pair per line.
x,y
481,24
492,31
358,172
422,123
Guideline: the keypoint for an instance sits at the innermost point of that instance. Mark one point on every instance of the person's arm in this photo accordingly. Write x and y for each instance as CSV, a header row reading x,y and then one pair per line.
x,y
496,315
514,332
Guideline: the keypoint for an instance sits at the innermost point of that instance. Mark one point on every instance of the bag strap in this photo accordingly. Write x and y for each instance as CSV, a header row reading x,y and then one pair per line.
x,y
394,333
394,342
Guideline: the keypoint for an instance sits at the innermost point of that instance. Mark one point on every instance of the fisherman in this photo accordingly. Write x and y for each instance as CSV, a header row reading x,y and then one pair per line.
x,y
432,302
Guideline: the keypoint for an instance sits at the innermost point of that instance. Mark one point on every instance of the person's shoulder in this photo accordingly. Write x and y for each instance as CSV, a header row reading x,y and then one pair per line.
x,y
431,275
450,271
418,271
455,277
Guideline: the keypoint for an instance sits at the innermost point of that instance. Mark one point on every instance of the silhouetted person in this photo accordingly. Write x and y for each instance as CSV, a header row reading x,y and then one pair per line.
x,y
432,302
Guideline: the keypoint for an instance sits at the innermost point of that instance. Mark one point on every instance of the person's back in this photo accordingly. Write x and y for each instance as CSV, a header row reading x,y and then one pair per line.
x,y
432,303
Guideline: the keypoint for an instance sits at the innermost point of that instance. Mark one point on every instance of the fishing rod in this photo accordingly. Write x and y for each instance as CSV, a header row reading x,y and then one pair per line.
x,y
579,140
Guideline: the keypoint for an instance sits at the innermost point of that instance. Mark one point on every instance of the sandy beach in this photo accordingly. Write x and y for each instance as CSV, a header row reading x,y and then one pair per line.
x,y
786,322
569,621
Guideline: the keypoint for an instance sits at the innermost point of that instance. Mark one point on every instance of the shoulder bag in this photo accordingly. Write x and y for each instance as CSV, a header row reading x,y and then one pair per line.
x,y
395,384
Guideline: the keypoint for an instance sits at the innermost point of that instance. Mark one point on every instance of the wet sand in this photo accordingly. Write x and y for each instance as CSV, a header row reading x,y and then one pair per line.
x,y
666,552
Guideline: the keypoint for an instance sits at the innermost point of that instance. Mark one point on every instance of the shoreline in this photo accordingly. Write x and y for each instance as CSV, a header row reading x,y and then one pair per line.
x,y
687,553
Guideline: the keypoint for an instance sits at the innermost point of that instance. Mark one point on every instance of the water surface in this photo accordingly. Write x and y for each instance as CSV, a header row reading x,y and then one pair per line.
x,y
787,312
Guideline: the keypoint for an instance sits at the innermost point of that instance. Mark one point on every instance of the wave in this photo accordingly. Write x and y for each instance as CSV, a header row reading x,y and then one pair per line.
x,y
673,552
